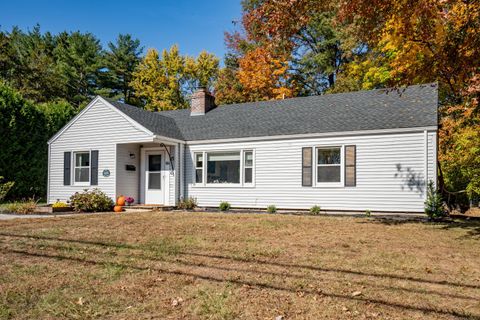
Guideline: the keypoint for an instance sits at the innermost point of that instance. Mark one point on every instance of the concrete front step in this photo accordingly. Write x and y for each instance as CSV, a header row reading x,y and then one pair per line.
x,y
148,207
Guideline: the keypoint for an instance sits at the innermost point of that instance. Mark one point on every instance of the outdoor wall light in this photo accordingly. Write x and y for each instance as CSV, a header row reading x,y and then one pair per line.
x,y
132,155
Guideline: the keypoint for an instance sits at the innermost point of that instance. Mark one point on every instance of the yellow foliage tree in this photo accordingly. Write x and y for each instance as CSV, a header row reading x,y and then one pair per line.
x,y
264,76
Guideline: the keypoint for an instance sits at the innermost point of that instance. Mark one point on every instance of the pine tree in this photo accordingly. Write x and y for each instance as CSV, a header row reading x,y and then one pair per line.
x,y
121,60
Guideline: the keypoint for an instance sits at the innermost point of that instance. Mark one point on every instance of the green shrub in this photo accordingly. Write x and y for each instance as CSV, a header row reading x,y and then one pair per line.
x,y
188,203
224,206
315,209
271,208
5,187
21,207
91,201
25,129
434,204
368,213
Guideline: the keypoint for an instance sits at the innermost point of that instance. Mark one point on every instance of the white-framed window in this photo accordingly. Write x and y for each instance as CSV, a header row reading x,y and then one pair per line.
x,y
329,164
198,156
81,167
248,167
224,168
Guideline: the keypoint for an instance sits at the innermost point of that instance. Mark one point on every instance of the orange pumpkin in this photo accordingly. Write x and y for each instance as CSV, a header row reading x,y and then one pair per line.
x,y
118,209
121,201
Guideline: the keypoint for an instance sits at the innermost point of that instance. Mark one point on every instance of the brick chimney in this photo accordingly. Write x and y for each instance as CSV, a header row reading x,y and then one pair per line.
x,y
202,102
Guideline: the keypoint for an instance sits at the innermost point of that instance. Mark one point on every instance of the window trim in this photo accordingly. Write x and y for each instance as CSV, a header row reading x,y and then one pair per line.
x,y
74,167
339,184
312,150
204,183
243,166
195,168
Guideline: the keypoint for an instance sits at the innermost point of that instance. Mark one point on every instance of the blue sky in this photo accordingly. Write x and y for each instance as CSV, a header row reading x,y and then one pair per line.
x,y
193,25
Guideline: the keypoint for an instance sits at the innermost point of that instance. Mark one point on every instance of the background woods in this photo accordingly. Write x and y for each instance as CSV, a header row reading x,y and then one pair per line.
x,y
46,79
278,49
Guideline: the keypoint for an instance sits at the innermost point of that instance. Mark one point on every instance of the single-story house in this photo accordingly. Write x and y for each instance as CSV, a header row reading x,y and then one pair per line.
x,y
369,150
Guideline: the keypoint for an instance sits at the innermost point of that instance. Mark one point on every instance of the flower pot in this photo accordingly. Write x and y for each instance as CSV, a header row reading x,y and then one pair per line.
x,y
121,201
118,209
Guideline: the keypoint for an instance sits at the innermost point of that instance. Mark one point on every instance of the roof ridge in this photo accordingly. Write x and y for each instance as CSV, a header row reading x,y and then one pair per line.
x,y
394,107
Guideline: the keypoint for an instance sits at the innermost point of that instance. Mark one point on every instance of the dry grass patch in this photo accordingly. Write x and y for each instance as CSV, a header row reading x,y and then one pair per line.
x,y
235,266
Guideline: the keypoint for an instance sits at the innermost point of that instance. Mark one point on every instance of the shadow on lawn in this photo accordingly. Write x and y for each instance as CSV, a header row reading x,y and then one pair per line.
x,y
472,227
250,283
214,266
259,261
245,282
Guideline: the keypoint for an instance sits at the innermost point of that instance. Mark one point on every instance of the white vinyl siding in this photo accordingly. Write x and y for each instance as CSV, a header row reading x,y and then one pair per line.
x,y
390,172
128,182
99,128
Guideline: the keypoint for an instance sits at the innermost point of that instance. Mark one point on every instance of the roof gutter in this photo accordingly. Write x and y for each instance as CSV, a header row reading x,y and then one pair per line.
x,y
160,139
317,135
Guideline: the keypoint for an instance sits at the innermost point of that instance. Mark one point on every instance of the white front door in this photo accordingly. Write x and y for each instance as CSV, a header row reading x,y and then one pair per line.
x,y
154,177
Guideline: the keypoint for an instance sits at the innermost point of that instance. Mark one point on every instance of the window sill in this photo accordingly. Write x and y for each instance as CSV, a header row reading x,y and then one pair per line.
x,y
329,185
81,184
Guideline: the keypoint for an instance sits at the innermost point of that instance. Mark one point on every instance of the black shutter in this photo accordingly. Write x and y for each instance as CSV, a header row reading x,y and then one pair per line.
x,y
94,167
350,166
67,165
307,167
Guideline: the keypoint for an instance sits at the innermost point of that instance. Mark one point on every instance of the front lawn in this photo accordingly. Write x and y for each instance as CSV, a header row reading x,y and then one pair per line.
x,y
237,266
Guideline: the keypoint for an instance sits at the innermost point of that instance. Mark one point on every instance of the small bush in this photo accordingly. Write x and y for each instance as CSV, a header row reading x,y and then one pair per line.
x,y
368,213
224,206
271,208
5,187
315,209
59,204
433,204
91,201
21,207
188,203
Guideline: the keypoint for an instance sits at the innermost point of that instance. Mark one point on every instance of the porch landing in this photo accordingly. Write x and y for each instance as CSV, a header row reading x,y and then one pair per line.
x,y
148,207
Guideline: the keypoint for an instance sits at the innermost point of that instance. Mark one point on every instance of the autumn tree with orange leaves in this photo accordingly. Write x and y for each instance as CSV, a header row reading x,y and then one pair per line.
x,y
303,47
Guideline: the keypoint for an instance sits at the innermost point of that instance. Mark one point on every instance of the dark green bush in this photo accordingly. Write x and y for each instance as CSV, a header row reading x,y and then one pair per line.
x,y
25,129
187,203
224,206
91,201
434,203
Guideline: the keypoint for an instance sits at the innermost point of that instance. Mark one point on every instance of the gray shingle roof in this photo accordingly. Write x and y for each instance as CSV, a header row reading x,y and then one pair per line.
x,y
153,121
413,106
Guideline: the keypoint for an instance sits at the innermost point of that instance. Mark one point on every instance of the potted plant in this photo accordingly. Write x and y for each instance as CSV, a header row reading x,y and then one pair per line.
x,y
129,200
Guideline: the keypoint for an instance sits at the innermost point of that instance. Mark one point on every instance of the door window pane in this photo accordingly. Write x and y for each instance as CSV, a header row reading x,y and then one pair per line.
x,y
223,167
154,162
154,181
